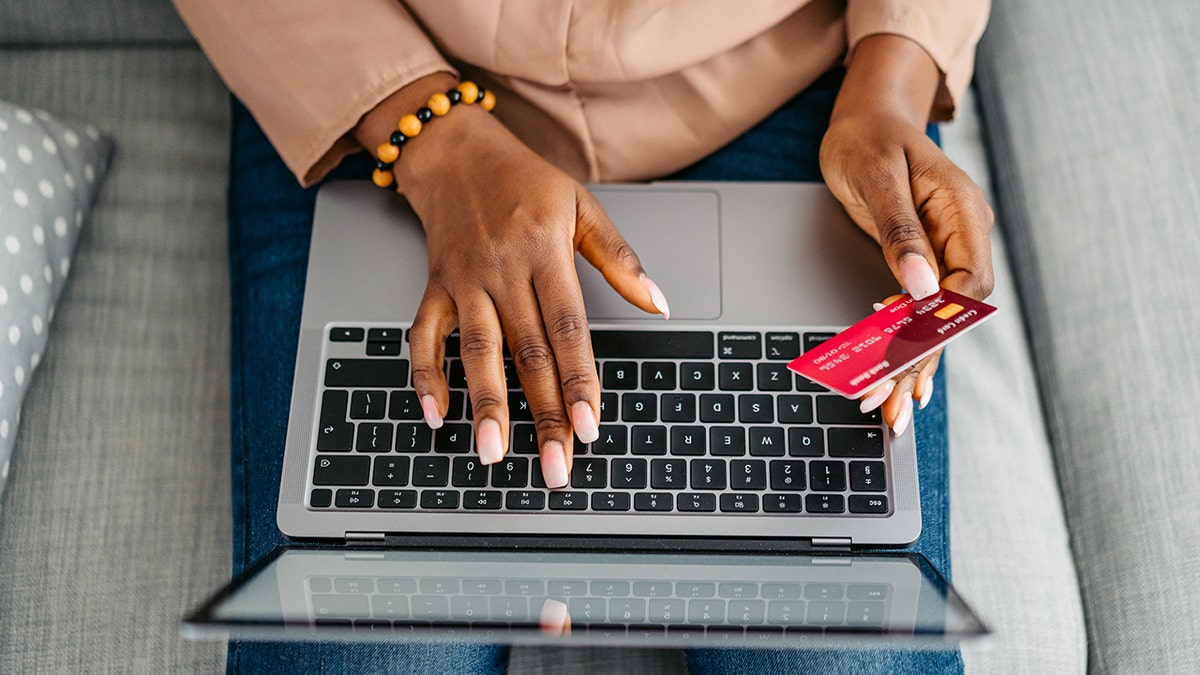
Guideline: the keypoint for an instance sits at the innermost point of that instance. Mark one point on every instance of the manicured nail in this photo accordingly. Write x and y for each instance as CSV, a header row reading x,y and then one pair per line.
x,y
878,306
554,465
917,276
491,447
656,296
429,407
584,422
877,396
903,417
554,619
926,393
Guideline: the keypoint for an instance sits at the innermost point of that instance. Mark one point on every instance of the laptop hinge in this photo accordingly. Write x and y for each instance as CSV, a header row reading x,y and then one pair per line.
x,y
362,538
831,543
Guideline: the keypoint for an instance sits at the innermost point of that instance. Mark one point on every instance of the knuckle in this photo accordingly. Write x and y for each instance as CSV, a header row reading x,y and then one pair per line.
x,y
484,401
568,326
474,343
576,385
549,424
533,355
424,374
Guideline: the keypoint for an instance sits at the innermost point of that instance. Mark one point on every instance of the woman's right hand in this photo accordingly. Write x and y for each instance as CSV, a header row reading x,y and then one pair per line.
x,y
502,227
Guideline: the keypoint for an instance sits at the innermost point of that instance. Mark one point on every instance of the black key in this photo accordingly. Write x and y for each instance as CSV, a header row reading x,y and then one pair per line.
x,y
628,344
806,442
386,373
767,442
390,471
677,408
868,504
468,472
610,501
739,345
639,407
455,410
343,334
781,503
697,377
383,349
756,409
336,437
525,500
628,474
320,499
648,440
841,410
511,378
568,501
368,405
689,440
620,375
748,474
453,344
827,476
404,405
589,472
518,407
802,383
397,499
453,437
739,502
716,408
458,375
374,437
354,499
735,376
413,437
609,411
385,335
490,500
658,375
814,340
536,478
707,474
333,406
668,474
431,471
524,439
439,499
867,477
794,409
782,346
844,442
512,472
787,474
652,501
774,377
613,440
727,441
696,501
825,504
341,470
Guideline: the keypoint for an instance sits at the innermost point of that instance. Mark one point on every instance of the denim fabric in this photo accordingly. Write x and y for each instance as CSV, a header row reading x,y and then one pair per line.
x,y
270,220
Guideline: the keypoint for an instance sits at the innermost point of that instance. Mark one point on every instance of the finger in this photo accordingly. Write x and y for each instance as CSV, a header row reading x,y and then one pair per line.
x,y
481,350
898,409
888,197
598,240
565,317
924,388
960,230
435,320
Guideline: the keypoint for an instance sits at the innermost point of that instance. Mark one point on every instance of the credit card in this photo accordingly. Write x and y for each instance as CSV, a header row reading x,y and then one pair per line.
x,y
890,340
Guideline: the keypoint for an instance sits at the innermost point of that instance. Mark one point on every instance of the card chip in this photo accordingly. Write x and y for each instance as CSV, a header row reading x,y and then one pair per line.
x,y
948,311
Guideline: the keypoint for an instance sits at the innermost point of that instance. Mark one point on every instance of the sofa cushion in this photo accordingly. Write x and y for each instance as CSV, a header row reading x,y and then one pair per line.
x,y
1095,135
49,173
96,22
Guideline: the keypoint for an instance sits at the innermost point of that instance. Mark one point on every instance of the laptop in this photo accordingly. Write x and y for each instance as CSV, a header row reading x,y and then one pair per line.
x,y
727,501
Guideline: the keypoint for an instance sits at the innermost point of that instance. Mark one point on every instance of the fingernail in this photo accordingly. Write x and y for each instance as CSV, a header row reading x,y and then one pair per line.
x,y
877,396
584,422
903,417
554,619
917,276
429,407
926,393
491,447
878,306
656,296
554,465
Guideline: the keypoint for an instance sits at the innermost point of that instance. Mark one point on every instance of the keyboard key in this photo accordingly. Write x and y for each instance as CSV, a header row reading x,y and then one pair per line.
x,y
320,499
707,474
787,503
383,349
384,373
397,499
668,474
824,592
827,476
629,610
413,437
747,612
468,608
815,339
865,613
867,591
589,472
648,440
439,499
782,592
841,410
483,499
737,590
658,375
708,611
441,586
609,407
336,437
628,474
458,375
787,474
767,442
697,377
610,589
619,375
774,377
716,408
739,502
689,440
512,472
344,334
818,504
849,442
653,501
524,439
639,407
727,441
468,472
333,406
385,335
354,499
431,471
732,345
390,471
756,409
696,501
518,407
374,437
404,405
631,344
455,411
794,409
788,612
525,500
653,589
613,440
735,376
748,474
806,442
868,504
568,501
588,611
782,346
336,605
610,501
867,477
677,408
566,587
341,470
667,610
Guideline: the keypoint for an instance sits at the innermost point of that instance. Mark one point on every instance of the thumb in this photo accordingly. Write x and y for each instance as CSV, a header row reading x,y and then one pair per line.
x,y
599,242
906,246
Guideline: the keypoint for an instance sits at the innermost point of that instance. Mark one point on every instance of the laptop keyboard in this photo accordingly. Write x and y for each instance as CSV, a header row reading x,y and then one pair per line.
x,y
692,422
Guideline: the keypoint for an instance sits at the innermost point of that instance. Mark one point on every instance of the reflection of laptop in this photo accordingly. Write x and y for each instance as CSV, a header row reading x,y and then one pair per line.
x,y
708,443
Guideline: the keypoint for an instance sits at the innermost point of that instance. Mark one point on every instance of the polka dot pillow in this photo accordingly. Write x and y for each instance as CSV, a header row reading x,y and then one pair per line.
x,y
49,173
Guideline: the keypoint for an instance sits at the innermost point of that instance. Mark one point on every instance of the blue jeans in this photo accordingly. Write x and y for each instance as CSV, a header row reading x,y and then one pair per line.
x,y
270,220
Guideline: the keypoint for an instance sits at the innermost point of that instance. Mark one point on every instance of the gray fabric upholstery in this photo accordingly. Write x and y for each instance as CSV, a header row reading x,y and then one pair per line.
x,y
116,517
1092,117
70,23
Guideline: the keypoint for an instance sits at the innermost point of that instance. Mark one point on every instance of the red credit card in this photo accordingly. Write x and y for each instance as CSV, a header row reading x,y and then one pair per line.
x,y
894,338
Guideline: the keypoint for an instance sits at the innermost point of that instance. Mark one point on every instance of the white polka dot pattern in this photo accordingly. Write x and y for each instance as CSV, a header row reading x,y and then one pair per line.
x,y
49,173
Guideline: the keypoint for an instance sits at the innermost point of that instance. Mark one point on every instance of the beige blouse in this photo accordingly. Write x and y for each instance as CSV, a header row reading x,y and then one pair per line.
x,y
606,89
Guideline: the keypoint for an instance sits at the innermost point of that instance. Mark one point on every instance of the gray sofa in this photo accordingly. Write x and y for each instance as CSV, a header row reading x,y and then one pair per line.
x,y
1073,439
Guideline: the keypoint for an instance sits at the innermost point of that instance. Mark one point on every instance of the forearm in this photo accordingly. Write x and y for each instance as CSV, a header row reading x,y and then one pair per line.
x,y
891,75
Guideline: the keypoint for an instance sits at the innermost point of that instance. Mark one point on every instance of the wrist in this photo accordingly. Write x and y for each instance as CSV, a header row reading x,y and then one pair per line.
x,y
376,127
888,75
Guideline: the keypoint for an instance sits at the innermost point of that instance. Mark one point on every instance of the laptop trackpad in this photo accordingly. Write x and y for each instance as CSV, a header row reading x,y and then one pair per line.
x,y
676,234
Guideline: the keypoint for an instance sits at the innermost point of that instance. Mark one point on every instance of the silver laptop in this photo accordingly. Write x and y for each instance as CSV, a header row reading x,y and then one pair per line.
x,y
733,495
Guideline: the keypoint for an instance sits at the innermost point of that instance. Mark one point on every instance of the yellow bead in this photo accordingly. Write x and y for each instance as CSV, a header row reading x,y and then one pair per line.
x,y
469,91
382,178
409,125
387,153
439,104
489,101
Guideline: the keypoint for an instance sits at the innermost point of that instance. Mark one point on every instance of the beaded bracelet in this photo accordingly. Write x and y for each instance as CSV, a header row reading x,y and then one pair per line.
x,y
410,125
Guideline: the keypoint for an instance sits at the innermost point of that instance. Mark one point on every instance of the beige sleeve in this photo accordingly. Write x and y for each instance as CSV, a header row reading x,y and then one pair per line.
x,y
310,69
948,29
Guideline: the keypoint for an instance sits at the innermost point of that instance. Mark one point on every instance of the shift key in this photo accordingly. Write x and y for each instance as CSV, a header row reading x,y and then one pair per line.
x,y
387,373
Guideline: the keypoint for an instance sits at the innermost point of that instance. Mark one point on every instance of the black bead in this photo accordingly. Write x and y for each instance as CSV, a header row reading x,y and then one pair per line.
x,y
482,93
398,139
454,95
424,114
382,165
